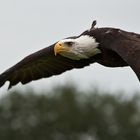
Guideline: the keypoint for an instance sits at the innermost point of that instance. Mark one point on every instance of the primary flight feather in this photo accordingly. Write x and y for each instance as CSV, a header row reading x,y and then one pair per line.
x,y
108,46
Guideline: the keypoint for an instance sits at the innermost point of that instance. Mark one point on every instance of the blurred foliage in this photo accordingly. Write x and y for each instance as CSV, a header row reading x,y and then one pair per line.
x,y
67,114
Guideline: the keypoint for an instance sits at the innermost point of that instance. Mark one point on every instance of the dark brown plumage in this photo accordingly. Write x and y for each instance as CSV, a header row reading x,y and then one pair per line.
x,y
118,47
40,65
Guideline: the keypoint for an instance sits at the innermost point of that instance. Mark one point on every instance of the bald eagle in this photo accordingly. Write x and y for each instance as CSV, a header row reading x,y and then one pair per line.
x,y
110,47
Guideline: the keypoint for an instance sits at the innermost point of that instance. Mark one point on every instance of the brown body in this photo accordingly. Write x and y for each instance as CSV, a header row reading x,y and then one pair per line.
x,y
113,42
119,48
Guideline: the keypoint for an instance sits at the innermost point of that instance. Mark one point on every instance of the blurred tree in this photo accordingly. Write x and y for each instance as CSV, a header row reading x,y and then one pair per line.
x,y
67,114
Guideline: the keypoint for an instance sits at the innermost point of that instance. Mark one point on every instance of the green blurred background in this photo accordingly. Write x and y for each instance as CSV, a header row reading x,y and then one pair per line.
x,y
68,114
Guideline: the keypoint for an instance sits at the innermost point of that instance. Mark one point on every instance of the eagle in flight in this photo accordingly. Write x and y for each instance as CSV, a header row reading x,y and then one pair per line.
x,y
110,47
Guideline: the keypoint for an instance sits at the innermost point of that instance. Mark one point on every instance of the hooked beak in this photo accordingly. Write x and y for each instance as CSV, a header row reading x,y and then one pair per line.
x,y
59,47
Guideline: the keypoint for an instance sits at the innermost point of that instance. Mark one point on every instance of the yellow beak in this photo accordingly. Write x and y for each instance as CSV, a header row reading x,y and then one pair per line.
x,y
59,47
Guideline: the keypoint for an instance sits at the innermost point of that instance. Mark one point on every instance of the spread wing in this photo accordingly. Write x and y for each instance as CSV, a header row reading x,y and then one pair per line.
x,y
127,45
39,65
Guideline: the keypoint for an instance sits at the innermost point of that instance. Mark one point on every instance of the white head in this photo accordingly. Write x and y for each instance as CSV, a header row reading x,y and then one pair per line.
x,y
82,47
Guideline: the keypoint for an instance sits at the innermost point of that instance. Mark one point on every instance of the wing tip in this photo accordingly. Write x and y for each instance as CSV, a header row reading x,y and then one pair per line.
x,y
10,86
2,79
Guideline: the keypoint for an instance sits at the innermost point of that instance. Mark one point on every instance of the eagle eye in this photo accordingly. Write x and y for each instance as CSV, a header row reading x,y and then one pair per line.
x,y
70,43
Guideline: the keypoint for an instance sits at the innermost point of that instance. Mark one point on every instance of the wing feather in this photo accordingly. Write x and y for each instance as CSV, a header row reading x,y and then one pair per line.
x,y
40,65
127,45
